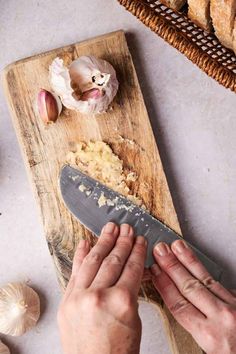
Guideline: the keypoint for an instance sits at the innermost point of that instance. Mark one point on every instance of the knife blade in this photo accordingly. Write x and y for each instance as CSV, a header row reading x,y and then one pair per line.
x,y
94,204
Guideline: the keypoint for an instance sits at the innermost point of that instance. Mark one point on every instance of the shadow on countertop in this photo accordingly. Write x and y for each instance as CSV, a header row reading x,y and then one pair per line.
x,y
228,278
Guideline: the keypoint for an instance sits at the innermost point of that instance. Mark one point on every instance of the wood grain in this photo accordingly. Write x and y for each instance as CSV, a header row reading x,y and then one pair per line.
x,y
44,150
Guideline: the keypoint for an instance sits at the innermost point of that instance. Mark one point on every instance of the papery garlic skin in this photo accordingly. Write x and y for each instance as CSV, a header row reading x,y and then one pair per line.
x,y
84,74
4,349
19,309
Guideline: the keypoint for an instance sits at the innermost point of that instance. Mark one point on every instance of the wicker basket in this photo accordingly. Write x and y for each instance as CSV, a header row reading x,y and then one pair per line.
x,y
177,29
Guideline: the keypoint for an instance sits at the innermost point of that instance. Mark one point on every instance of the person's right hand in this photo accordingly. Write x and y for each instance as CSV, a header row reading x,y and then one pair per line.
x,y
99,311
200,304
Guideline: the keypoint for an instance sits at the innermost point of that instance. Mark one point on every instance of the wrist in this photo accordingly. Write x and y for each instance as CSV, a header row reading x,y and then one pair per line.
x,y
115,340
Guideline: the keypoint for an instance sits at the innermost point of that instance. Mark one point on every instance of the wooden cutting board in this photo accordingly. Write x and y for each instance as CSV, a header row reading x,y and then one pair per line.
x,y
44,150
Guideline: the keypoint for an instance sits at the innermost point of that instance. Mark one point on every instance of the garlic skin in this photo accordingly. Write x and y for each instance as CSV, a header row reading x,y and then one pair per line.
x,y
4,349
19,309
49,106
88,85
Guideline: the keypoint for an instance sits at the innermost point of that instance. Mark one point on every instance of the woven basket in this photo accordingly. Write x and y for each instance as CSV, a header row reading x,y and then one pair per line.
x,y
177,29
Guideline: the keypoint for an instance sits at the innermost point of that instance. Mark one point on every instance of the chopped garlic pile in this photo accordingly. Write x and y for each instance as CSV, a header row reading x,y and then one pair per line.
x,y
99,161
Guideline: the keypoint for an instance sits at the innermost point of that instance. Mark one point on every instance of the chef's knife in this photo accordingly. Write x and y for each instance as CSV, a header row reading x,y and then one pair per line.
x,y
95,204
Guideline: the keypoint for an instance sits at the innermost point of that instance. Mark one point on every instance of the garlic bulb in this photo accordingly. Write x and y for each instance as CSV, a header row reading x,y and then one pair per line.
x,y
88,85
4,349
19,309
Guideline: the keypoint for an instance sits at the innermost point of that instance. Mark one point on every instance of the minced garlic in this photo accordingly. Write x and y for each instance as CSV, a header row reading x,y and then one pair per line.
x,y
131,177
99,161
82,188
102,200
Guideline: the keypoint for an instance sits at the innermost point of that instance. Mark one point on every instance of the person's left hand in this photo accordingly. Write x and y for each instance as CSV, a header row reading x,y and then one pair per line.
x,y
99,311
203,306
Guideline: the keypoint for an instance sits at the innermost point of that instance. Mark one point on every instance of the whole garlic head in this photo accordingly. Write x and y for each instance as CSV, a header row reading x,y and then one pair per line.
x,y
19,309
88,85
4,349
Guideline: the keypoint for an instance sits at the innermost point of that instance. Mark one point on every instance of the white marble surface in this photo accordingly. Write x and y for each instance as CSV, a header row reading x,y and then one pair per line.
x,y
195,125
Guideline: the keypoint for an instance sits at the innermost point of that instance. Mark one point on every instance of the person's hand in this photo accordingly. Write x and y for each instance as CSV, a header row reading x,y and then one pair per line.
x,y
201,305
99,311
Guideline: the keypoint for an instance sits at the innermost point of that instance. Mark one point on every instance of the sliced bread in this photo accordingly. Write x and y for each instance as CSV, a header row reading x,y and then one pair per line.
x,y
223,16
199,12
234,37
174,4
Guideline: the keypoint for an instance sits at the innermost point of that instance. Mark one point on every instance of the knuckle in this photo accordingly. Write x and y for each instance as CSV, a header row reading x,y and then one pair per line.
x,y
191,285
172,265
124,241
94,297
166,285
134,268
125,298
83,303
113,259
93,258
140,248
209,282
192,259
179,306
138,252
91,300
80,256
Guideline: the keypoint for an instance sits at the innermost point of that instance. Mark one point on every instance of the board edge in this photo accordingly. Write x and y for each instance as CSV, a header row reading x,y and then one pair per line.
x,y
8,67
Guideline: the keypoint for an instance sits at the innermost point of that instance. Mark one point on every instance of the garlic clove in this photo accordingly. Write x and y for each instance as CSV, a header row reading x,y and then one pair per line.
x,y
4,349
19,309
94,93
49,106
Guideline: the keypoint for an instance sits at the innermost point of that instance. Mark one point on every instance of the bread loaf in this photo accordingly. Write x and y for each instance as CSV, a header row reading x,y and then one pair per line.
x,y
223,16
219,15
174,4
199,12
234,37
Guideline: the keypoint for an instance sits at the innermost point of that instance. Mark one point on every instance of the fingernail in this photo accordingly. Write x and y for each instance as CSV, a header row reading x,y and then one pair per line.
x,y
162,249
82,243
156,270
110,227
179,246
140,240
125,230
